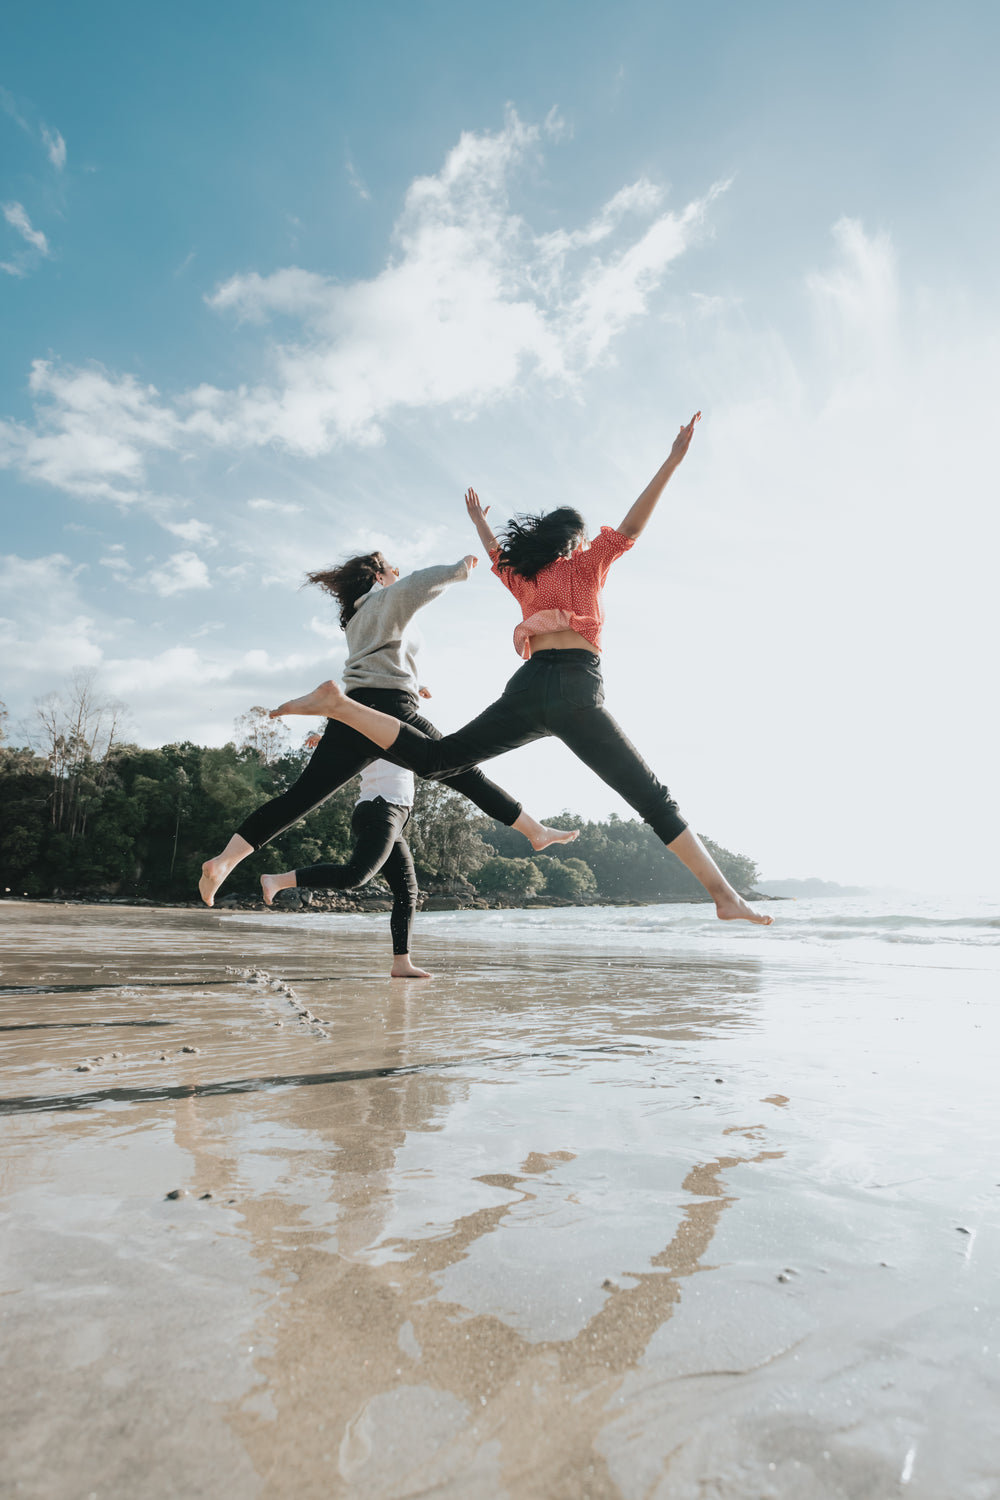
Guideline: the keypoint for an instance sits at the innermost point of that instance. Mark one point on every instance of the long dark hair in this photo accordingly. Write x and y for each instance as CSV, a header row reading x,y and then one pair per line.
x,y
529,543
350,580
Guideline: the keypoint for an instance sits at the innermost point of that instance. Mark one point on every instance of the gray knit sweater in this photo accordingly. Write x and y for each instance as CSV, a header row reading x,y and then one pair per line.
x,y
380,647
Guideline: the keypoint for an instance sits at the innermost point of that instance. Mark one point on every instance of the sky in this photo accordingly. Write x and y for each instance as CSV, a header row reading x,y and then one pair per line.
x,y
279,282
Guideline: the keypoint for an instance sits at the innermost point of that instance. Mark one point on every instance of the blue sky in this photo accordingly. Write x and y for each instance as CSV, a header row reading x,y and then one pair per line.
x,y
278,282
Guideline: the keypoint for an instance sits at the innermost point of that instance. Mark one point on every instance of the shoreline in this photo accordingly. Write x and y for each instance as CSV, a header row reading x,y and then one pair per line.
x,y
313,902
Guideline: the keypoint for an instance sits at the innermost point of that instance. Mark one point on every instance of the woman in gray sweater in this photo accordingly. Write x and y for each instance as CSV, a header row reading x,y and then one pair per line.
x,y
376,609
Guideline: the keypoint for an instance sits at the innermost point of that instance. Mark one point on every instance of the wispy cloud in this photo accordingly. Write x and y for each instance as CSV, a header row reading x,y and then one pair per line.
x,y
356,181
470,307
277,507
555,126
181,572
55,146
198,533
857,299
92,432
17,217
467,276
116,562
45,626
9,106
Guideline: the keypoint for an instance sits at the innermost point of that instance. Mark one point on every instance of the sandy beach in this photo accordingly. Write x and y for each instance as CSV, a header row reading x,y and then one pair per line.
x,y
619,1204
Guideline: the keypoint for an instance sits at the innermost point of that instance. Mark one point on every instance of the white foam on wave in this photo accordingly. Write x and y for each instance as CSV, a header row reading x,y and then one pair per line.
x,y
933,932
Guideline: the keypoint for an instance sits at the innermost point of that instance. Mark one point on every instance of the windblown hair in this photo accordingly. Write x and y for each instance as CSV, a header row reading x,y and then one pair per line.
x,y
529,543
349,581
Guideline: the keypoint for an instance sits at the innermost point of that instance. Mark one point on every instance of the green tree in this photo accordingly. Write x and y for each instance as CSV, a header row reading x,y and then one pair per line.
x,y
569,877
444,834
510,877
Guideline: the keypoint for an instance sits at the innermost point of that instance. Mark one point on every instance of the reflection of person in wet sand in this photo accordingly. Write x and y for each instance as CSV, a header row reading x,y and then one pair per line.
x,y
380,816
558,581
376,610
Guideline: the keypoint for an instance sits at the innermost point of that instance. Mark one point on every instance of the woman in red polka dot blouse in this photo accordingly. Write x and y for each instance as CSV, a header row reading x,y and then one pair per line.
x,y
557,579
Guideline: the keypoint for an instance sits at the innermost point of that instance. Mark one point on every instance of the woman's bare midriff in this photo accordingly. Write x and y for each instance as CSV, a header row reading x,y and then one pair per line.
x,y
562,640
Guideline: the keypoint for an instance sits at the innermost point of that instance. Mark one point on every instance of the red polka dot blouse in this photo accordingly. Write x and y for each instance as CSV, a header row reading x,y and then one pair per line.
x,y
566,594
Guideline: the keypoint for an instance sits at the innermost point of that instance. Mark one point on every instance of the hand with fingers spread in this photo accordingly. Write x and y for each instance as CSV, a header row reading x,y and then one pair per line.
x,y
477,515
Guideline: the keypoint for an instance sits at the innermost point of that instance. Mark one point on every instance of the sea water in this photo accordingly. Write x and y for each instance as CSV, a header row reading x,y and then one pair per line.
x,y
897,928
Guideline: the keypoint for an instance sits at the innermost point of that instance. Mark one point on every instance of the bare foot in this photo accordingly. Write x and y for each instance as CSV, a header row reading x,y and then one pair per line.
x,y
271,884
539,836
547,836
325,700
735,909
213,873
402,968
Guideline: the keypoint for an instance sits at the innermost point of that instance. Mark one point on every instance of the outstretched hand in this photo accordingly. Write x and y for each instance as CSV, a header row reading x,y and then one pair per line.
x,y
682,441
476,511
477,515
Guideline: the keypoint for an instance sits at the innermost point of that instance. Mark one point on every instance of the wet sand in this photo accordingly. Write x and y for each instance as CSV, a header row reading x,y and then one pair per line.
x,y
718,1228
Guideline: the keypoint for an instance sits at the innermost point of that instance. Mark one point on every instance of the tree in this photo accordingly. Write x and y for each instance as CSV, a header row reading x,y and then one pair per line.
x,y
509,877
628,861
444,833
78,729
569,877
256,730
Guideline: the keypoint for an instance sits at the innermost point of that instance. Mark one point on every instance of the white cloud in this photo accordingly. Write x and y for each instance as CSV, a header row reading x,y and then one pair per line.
x,y
857,300
199,533
11,269
469,307
55,146
92,432
17,217
278,507
467,277
45,628
555,126
182,571
116,562
188,669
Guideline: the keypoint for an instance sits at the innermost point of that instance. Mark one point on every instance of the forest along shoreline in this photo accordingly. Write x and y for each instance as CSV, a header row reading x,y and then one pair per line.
x,y
87,816
289,903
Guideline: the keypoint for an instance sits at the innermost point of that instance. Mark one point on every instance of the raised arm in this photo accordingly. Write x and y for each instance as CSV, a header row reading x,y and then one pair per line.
x,y
635,522
477,515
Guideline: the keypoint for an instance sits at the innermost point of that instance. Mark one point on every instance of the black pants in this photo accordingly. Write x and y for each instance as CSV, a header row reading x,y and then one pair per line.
x,y
342,753
377,827
559,693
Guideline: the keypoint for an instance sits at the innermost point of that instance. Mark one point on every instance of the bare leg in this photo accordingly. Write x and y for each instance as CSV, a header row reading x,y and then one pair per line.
x,y
330,700
402,968
272,884
214,871
729,904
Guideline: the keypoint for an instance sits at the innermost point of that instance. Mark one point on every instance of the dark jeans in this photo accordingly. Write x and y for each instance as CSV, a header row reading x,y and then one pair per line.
x,y
343,752
377,827
560,693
